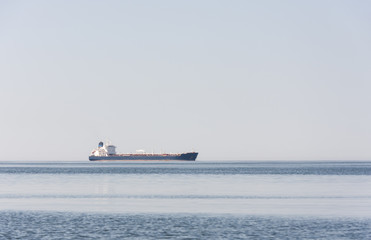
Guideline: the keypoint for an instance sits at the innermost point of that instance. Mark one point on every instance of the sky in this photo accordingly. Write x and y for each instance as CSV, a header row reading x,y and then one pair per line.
x,y
233,80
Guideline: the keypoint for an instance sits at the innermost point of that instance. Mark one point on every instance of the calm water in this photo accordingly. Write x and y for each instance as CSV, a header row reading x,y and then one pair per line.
x,y
170,200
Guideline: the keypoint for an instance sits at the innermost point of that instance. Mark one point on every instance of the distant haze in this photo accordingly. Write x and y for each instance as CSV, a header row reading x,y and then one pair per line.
x,y
234,80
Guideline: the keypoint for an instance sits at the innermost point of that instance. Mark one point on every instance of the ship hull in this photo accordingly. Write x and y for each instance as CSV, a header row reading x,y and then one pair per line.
x,y
145,157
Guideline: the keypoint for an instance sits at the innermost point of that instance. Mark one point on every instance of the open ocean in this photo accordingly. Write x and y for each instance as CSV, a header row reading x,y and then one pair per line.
x,y
185,200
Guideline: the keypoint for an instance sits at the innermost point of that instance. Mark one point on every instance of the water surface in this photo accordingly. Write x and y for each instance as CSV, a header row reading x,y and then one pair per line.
x,y
186,199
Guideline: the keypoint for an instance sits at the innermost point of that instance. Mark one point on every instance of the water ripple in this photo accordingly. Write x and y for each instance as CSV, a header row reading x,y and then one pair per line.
x,y
52,225
17,196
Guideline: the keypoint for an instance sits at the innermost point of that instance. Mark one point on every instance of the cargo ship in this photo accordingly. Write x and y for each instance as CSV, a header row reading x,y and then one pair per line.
x,y
106,152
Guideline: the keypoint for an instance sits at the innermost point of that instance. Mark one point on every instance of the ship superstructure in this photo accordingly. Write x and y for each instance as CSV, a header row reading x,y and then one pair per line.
x,y
108,152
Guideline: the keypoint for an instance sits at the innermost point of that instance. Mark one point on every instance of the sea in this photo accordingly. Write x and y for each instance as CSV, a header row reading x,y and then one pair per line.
x,y
186,200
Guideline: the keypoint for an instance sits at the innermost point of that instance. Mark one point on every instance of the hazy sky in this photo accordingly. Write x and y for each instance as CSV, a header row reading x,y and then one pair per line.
x,y
234,80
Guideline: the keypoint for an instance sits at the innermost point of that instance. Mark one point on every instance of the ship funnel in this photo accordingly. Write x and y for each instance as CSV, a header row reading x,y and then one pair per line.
x,y
100,144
